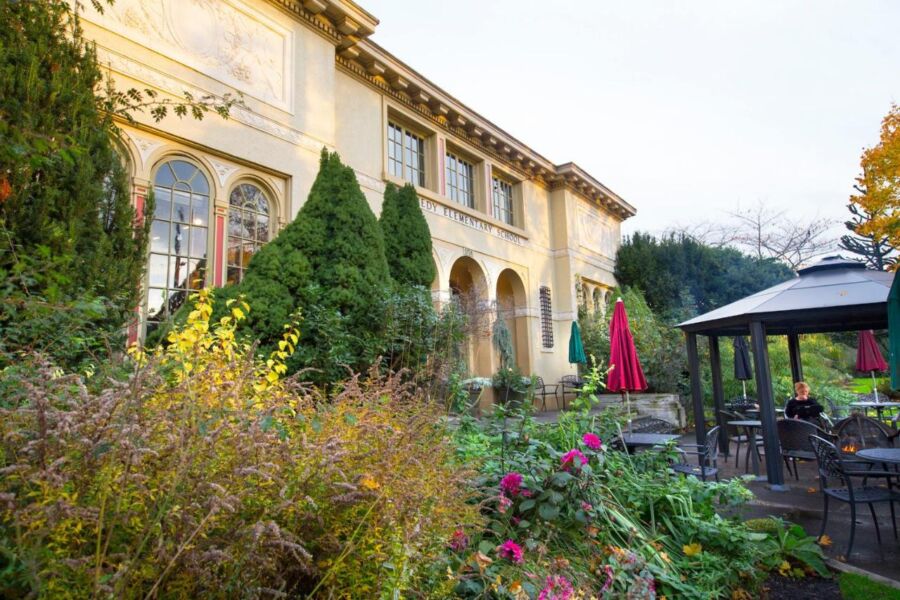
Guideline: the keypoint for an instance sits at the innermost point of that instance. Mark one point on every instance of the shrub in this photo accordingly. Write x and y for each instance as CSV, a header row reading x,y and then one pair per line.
x,y
407,239
207,474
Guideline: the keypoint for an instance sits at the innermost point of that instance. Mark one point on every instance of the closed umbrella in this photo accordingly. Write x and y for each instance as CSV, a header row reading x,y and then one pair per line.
x,y
742,369
894,332
576,346
868,356
626,374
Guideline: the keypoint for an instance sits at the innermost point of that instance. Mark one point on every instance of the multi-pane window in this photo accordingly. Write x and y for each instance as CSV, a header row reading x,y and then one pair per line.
x,y
459,180
546,318
503,200
179,238
248,227
406,155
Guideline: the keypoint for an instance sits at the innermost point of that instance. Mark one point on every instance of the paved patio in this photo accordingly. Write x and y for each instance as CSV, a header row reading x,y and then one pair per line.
x,y
802,504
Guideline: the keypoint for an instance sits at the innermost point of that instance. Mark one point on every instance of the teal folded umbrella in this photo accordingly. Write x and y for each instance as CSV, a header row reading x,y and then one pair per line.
x,y
576,346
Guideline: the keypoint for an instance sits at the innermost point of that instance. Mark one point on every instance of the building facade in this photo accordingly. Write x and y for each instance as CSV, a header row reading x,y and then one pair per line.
x,y
515,236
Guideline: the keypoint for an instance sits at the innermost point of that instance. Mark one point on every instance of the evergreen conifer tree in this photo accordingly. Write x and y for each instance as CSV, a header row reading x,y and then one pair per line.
x,y
67,223
407,238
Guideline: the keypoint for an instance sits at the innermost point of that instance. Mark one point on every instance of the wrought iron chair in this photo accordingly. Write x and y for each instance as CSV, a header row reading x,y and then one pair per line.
x,y
793,437
707,456
831,466
570,384
837,411
542,390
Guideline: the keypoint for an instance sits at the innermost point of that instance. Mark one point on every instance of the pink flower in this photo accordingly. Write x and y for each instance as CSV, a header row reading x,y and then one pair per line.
x,y
586,507
608,571
459,541
511,551
568,459
511,484
557,588
515,521
592,441
503,504
527,493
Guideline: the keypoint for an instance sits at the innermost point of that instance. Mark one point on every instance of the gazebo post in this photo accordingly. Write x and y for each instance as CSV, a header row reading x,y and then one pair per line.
x,y
715,364
766,406
796,363
696,388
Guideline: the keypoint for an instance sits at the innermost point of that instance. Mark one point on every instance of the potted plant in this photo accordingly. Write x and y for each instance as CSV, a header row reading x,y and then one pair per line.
x,y
471,394
511,386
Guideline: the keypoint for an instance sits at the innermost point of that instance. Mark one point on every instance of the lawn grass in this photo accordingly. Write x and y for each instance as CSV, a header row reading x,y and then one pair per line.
x,y
857,587
863,385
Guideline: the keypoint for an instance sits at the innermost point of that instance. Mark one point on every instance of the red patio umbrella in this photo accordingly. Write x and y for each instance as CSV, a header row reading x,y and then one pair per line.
x,y
868,357
626,374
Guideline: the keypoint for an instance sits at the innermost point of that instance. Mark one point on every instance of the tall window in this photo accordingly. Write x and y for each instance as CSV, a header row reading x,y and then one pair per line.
x,y
248,227
459,181
179,238
503,200
546,318
406,155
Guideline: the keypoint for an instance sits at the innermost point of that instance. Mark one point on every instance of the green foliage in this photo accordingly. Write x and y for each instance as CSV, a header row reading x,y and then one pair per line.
x,y
65,207
681,277
614,525
407,239
660,346
859,587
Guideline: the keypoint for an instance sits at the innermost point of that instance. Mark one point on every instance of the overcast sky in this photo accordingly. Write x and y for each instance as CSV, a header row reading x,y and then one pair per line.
x,y
685,108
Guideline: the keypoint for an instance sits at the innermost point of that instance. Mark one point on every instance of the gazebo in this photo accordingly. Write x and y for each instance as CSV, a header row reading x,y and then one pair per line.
x,y
831,295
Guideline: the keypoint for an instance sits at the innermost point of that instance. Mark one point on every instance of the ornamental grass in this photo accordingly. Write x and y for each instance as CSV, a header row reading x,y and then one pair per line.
x,y
206,474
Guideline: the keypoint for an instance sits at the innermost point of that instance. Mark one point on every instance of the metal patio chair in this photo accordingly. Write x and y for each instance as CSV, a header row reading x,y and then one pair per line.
x,y
707,456
793,438
570,384
542,390
832,467
736,434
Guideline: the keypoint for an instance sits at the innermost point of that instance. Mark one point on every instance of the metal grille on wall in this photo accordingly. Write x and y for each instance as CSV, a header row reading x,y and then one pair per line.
x,y
546,318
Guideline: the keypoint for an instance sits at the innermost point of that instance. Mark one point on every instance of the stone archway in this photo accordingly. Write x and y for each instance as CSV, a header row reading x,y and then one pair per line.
x,y
512,304
469,291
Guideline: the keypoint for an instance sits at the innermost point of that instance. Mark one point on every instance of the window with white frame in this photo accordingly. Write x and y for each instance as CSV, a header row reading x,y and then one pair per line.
x,y
406,154
249,227
502,192
459,180
179,238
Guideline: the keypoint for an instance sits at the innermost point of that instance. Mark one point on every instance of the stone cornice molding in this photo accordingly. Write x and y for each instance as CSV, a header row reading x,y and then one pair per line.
x,y
391,76
348,27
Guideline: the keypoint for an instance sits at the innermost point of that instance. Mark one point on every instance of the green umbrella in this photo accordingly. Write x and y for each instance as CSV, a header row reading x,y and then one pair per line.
x,y
894,332
576,347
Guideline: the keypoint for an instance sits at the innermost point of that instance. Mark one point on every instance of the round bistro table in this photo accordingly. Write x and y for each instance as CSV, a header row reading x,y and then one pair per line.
x,y
886,456
750,426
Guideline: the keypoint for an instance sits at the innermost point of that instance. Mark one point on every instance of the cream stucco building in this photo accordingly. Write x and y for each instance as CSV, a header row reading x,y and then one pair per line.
x,y
510,228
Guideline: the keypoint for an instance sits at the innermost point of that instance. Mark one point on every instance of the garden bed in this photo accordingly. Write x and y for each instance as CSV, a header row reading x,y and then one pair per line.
x,y
777,587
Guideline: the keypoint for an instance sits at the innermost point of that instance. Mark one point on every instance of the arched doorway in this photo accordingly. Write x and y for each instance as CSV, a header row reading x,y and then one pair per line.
x,y
468,291
511,305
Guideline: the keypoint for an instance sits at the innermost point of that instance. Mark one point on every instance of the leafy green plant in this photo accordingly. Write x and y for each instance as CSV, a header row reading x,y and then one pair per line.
x,y
796,553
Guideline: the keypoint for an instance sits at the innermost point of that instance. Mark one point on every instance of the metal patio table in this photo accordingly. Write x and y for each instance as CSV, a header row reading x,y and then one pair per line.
x,y
750,426
634,441
885,456
878,406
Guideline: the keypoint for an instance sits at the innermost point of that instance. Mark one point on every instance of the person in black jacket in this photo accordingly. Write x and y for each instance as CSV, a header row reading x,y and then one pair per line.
x,y
801,406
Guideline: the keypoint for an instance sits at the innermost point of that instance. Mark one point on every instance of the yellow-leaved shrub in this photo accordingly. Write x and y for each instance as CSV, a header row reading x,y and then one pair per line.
x,y
206,474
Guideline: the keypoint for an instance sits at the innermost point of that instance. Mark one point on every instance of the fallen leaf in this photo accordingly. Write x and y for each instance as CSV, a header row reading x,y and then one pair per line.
x,y
824,540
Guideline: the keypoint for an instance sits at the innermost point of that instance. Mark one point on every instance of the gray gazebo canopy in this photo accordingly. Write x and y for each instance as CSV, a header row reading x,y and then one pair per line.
x,y
833,294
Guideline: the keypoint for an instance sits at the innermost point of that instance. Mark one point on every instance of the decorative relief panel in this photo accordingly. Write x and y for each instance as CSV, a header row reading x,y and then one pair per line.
x,y
224,39
596,233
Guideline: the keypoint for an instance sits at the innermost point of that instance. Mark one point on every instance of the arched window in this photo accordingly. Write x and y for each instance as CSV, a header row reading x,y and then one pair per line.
x,y
179,238
248,227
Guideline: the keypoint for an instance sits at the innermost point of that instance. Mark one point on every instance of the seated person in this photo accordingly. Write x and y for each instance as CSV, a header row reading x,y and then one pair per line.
x,y
801,406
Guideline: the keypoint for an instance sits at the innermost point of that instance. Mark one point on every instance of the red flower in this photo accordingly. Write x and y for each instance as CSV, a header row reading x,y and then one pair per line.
x,y
459,541
568,459
592,441
511,551
511,484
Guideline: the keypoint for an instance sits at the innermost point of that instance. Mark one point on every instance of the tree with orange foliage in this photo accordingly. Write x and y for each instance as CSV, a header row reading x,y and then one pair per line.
x,y
878,185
